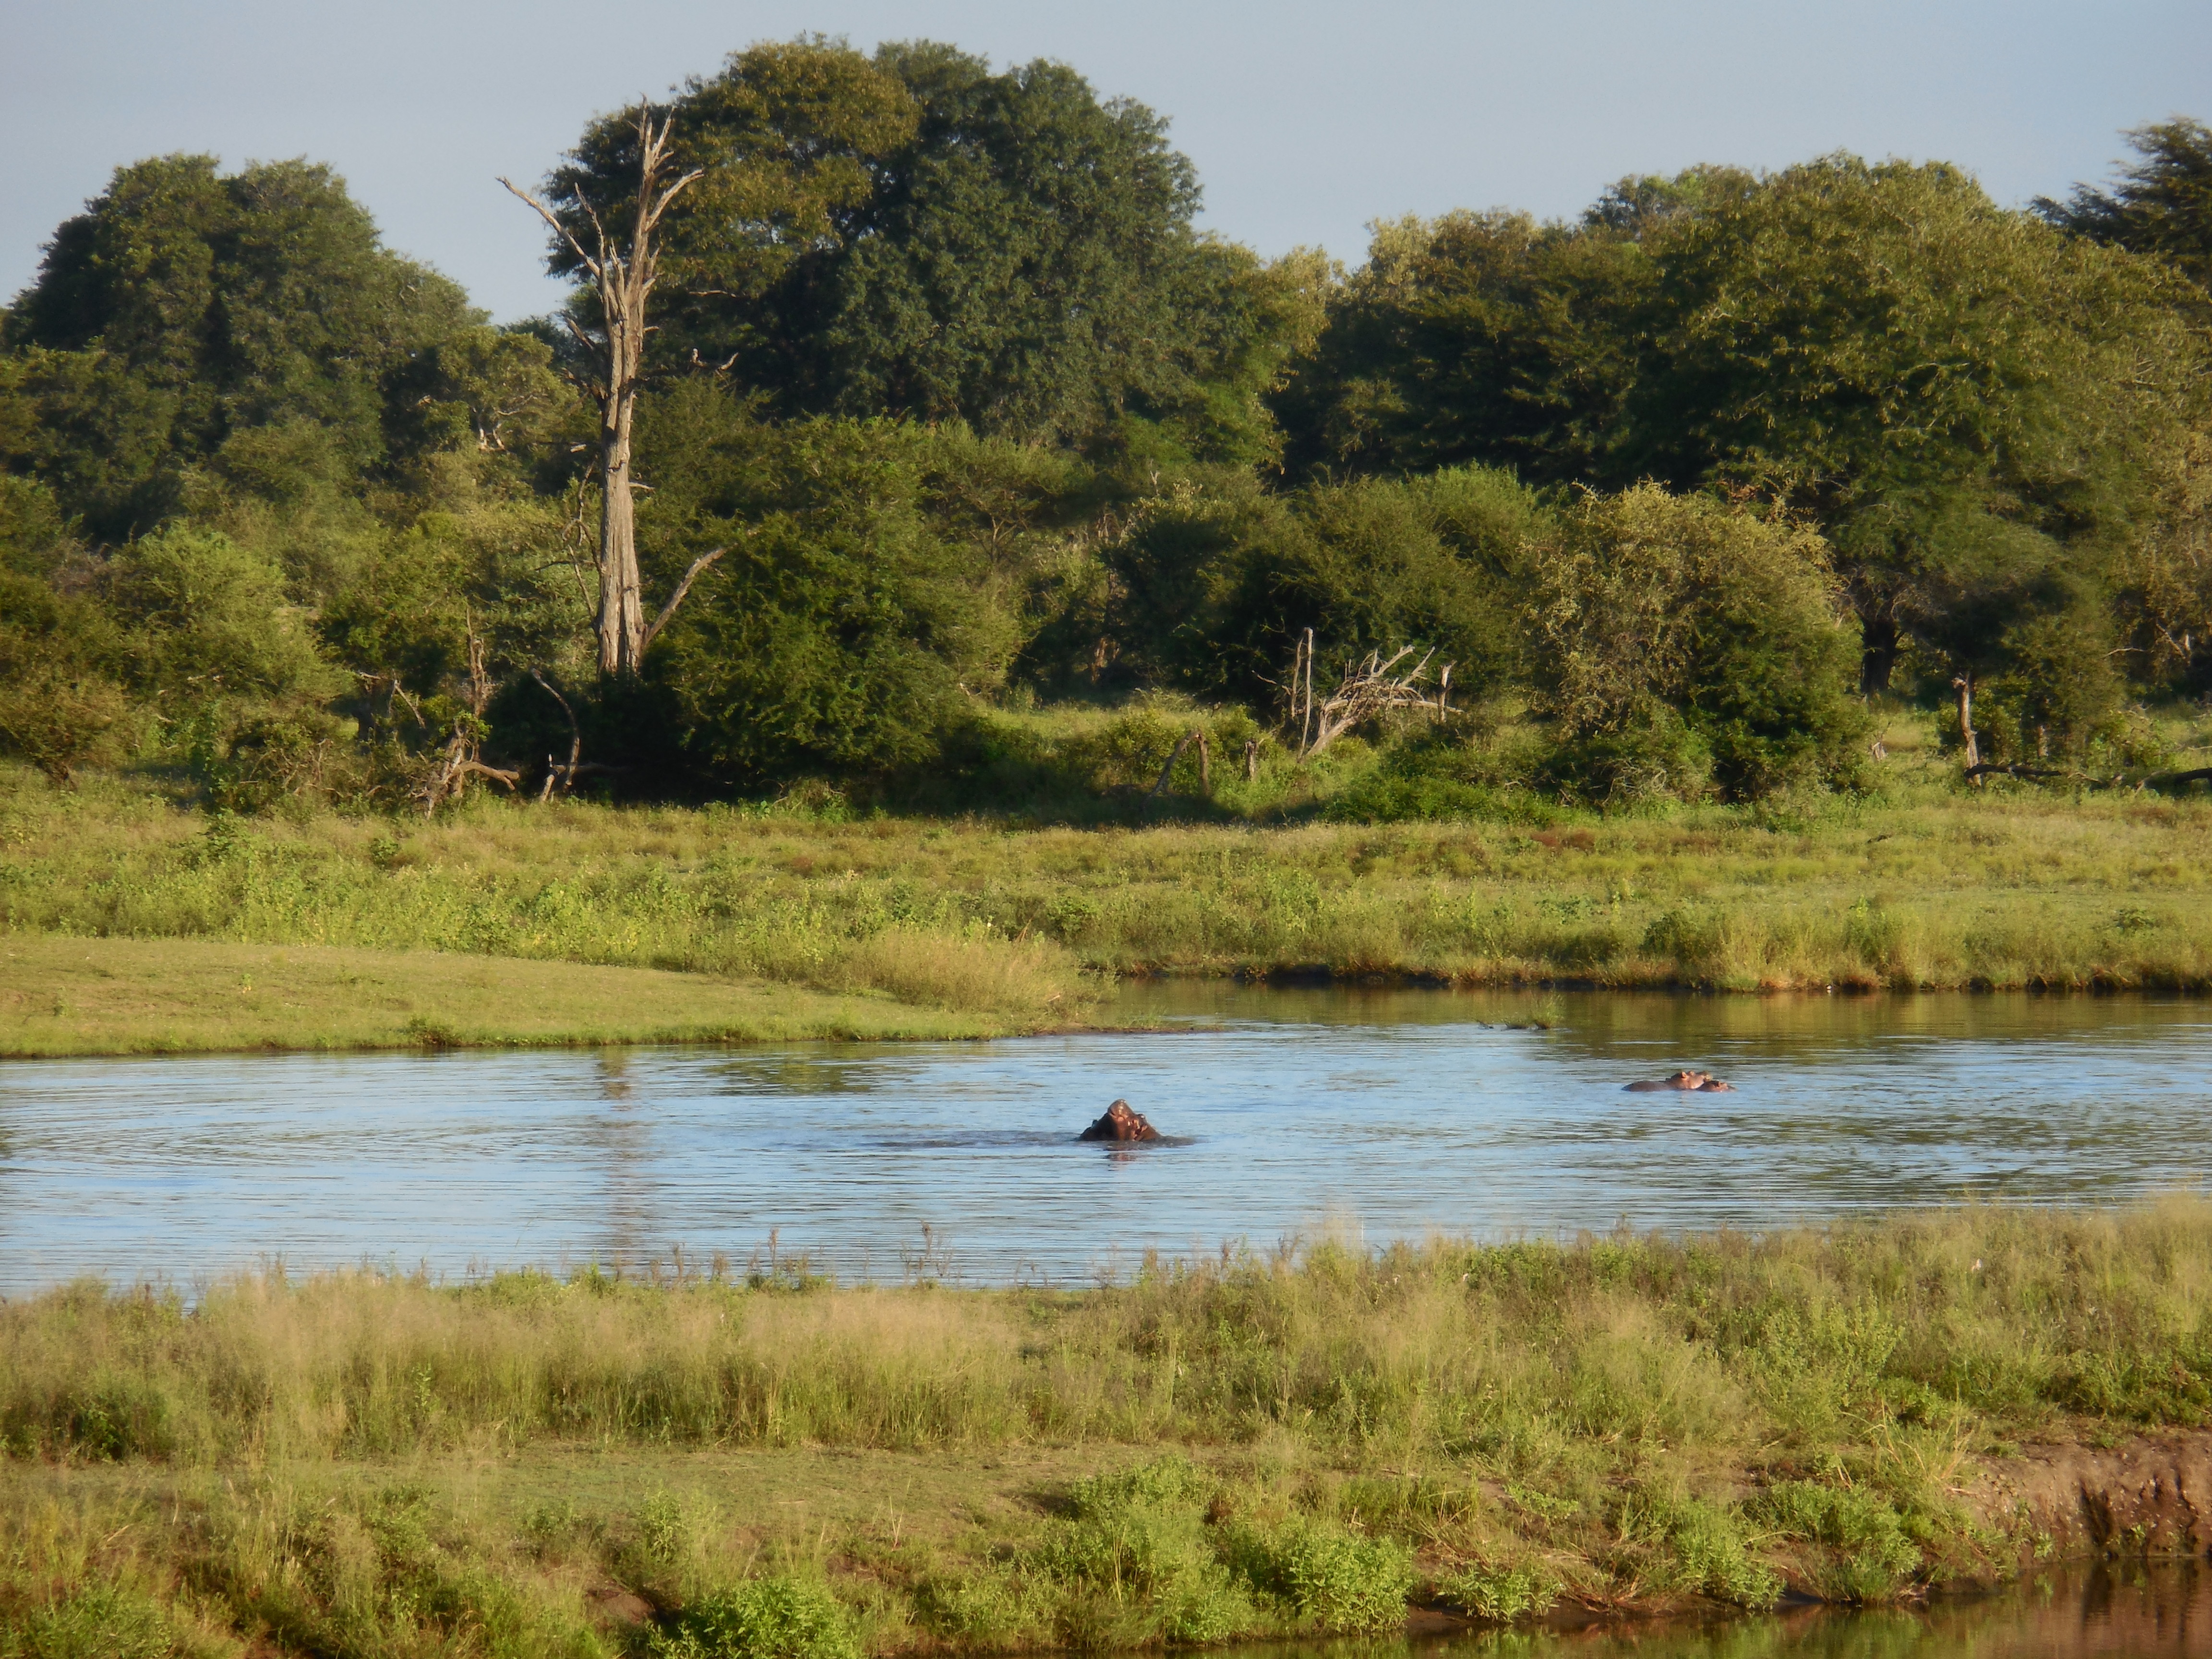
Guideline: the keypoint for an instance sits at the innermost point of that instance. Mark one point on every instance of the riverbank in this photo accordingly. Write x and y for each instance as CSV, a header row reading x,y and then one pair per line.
x,y
981,925
62,996
1323,1440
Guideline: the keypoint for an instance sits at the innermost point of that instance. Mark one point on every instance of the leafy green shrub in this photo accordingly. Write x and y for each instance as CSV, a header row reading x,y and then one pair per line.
x,y
1659,757
1501,1593
60,706
1137,1537
1668,631
669,1528
1442,773
1863,1553
1332,1579
987,1609
777,1618
1694,1544
1220,579
1171,1480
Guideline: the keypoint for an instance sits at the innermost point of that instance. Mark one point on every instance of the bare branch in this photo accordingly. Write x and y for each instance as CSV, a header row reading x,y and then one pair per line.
x,y
560,229
567,775
1372,689
682,588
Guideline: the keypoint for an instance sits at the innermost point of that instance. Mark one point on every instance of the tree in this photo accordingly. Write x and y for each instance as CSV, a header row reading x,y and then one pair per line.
x,y
2161,204
1486,339
1881,349
1492,339
914,234
622,274
1670,634
186,307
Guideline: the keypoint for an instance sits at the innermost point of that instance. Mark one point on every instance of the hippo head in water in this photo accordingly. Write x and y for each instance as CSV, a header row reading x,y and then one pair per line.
x,y
1704,1082
1122,1121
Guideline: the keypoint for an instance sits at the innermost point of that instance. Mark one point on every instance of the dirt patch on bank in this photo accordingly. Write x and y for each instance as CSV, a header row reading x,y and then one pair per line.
x,y
2151,1495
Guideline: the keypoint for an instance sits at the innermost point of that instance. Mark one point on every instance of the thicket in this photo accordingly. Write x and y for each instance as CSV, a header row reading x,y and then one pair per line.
x,y
964,414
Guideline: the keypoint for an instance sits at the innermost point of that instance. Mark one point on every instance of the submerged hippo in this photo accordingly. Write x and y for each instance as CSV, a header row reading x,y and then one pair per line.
x,y
1121,1123
1683,1080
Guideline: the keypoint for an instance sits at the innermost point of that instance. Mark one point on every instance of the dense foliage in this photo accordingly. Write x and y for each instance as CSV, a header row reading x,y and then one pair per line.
x,y
950,408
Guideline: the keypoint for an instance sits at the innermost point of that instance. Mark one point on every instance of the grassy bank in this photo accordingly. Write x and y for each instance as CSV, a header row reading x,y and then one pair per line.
x,y
62,995
1250,1445
993,921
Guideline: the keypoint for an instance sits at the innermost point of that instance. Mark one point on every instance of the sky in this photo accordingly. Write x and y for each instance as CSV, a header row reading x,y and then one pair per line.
x,y
1306,119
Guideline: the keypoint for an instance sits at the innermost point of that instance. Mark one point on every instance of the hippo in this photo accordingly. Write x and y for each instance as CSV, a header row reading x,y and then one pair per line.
x,y
1703,1081
1122,1121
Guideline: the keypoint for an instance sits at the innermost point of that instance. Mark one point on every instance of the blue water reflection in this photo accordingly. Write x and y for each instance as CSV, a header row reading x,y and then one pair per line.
x,y
1394,1114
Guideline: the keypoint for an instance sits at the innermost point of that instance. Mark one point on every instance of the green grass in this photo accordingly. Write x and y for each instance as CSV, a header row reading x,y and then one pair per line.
x,y
1008,923
61,995
1246,1446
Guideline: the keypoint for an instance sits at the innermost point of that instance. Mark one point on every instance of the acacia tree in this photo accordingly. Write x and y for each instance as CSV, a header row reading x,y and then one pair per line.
x,y
623,275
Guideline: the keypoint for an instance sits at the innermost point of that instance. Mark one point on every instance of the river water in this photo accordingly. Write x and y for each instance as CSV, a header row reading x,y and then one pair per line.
x,y
2138,1612
1372,1113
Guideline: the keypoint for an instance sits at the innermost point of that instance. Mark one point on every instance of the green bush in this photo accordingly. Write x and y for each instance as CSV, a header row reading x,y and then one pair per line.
x,y
1138,1539
777,1618
1332,1579
987,1609
1689,1543
1676,638
1501,1593
1657,758
1220,579
1861,1553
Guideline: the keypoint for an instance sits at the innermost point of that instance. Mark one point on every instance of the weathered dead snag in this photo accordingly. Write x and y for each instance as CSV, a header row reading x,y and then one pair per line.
x,y
1368,690
623,275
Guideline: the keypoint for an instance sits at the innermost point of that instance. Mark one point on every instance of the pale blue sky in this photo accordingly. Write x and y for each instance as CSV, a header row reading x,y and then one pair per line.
x,y
1306,120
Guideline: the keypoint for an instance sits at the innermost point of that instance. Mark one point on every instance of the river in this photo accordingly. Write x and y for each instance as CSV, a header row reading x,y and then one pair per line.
x,y
1369,1113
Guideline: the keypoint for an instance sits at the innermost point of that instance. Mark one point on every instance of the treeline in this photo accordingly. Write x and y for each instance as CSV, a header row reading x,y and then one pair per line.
x,y
950,410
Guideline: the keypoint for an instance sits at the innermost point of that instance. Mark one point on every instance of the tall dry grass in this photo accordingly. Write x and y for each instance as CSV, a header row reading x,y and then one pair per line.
x,y
1275,1444
1999,1315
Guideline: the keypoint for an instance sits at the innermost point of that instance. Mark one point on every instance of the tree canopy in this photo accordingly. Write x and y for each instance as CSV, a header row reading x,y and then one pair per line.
x,y
915,234
2161,204
940,403
186,309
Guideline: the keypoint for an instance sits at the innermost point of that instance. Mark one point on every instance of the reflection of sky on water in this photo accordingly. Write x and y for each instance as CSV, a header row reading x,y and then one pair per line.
x,y
1399,1113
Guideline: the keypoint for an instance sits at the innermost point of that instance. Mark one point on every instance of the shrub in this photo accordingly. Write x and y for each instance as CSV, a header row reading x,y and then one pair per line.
x,y
1501,1593
1695,1544
777,1618
1662,625
1862,1552
989,1608
1655,758
1332,1579
1220,581
1137,1538
60,706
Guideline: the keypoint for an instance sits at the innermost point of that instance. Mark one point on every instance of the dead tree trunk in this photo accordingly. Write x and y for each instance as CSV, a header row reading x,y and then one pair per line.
x,y
1372,689
1174,755
623,277
1964,684
448,780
